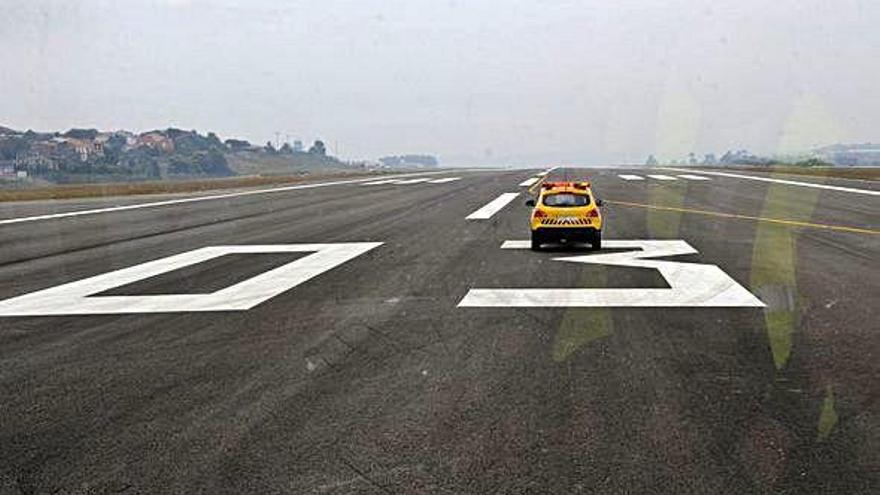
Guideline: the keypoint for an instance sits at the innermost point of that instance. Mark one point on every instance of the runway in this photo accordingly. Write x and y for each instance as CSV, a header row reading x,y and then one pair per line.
x,y
320,339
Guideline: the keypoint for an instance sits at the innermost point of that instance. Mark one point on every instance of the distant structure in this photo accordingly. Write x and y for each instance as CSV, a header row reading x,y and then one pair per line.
x,y
409,161
237,144
651,161
298,146
850,155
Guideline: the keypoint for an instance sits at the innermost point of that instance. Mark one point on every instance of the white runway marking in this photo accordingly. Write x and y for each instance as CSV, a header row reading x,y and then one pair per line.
x,y
195,199
410,181
661,177
784,181
378,182
693,177
492,207
76,298
529,182
690,284
631,177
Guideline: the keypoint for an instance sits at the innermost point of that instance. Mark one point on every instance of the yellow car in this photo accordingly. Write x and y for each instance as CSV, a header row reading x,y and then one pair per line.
x,y
566,211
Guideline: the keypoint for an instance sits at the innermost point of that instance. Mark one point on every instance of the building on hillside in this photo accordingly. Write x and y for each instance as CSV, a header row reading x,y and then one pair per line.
x,y
851,155
156,141
83,148
40,155
101,141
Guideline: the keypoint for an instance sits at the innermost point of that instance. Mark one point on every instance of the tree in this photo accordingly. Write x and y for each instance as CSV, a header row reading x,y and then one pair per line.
x,y
286,149
813,162
269,148
651,161
214,140
318,148
10,148
113,148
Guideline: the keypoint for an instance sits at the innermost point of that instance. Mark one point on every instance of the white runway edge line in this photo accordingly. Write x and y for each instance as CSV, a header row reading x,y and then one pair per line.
x,y
661,177
444,180
155,204
631,177
410,181
693,177
529,182
378,182
492,207
784,181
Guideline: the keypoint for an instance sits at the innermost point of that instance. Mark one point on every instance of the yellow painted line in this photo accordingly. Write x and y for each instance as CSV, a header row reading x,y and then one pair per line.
x,y
793,223
537,184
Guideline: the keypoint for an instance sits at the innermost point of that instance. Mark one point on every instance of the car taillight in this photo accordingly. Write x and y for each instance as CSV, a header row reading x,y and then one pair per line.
x,y
594,213
540,214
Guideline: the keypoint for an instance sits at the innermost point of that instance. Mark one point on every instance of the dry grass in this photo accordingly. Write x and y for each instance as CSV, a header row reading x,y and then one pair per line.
x,y
158,187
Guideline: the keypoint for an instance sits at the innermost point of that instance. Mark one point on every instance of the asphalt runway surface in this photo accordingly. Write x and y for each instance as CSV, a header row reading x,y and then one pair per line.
x,y
349,365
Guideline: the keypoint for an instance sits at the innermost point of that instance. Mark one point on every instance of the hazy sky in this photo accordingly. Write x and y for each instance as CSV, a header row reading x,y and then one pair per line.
x,y
473,81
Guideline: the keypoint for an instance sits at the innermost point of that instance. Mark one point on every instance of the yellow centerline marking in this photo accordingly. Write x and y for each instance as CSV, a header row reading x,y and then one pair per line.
x,y
794,223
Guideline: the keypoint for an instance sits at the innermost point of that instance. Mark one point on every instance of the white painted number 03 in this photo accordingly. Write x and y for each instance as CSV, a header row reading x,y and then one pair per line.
x,y
690,284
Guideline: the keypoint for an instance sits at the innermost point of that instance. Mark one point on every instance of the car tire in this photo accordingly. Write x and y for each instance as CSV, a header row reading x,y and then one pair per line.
x,y
536,241
596,242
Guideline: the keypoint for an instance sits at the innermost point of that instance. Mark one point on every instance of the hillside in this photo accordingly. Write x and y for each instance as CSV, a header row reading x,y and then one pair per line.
x,y
91,155
280,163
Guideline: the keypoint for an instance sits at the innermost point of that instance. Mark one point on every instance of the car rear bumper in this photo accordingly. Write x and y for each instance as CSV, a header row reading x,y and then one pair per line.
x,y
568,233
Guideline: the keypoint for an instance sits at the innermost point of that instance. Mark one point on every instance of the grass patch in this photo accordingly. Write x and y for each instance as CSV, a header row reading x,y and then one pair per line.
x,y
72,191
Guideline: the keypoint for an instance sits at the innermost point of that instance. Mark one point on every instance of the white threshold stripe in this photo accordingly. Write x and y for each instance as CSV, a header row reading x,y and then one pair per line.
x,y
661,177
492,207
529,182
784,181
444,180
631,177
693,177
156,204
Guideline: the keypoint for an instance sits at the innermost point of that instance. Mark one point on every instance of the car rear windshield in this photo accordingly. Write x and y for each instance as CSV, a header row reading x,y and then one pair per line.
x,y
566,200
